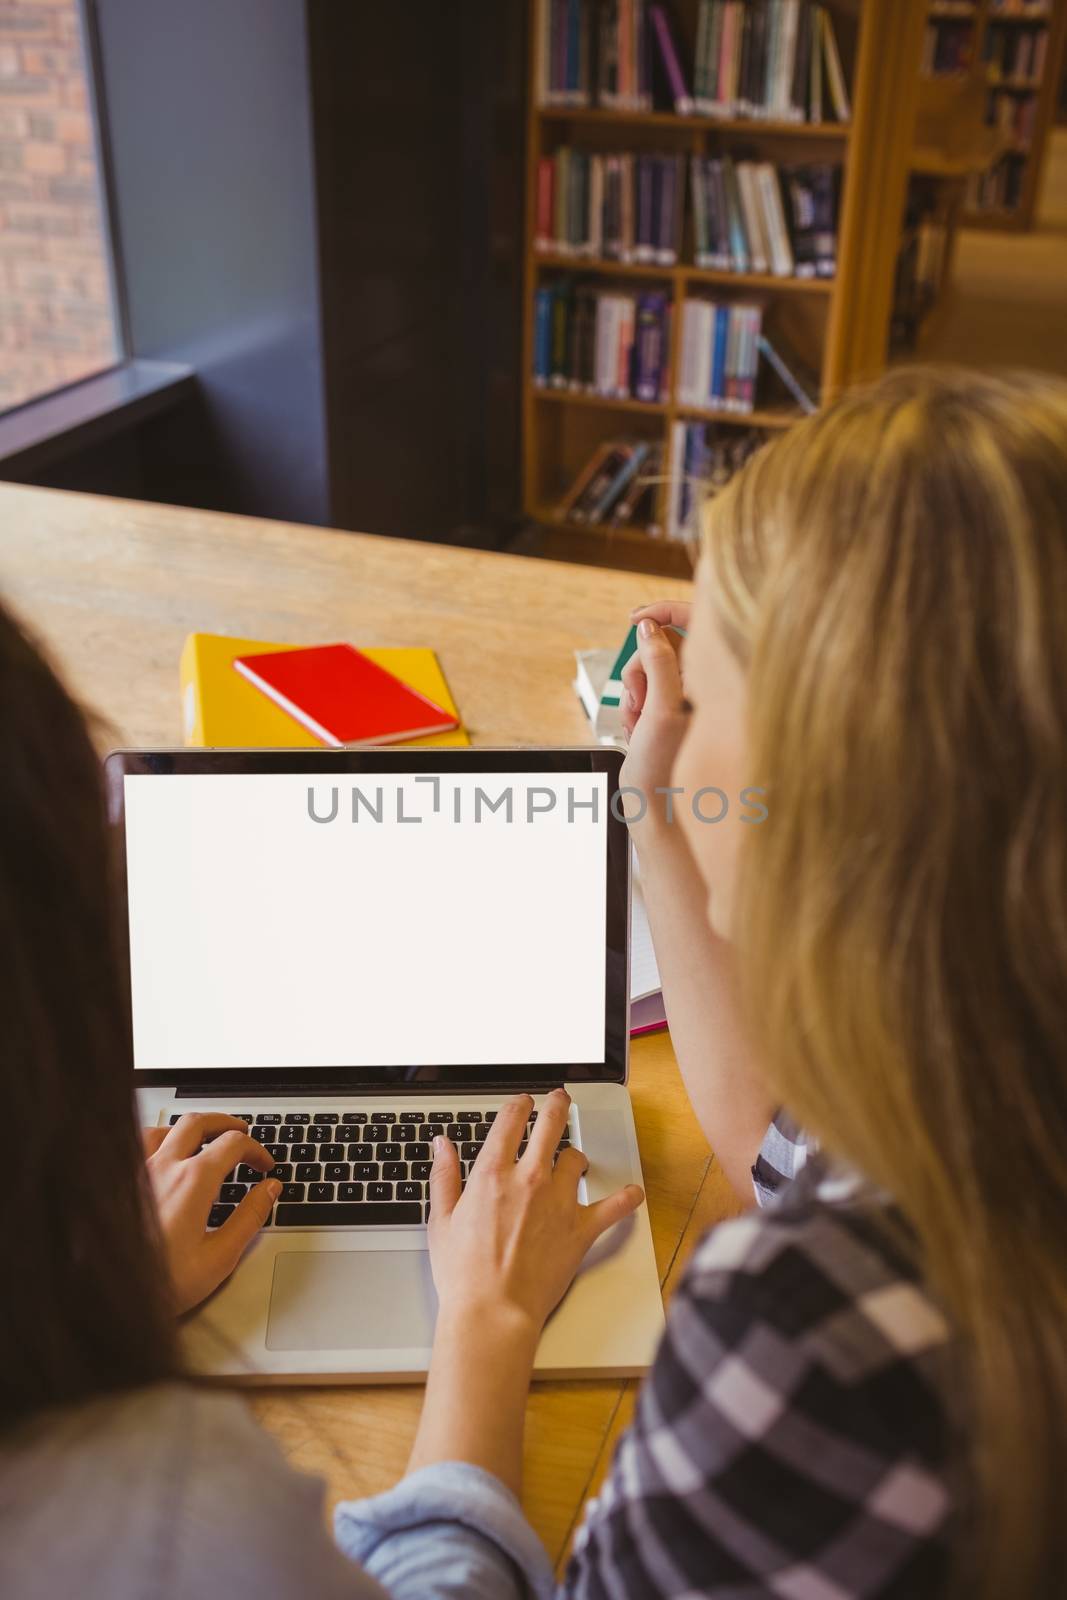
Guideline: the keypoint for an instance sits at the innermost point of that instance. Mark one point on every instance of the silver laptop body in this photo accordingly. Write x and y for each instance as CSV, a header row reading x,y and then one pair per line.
x,y
356,945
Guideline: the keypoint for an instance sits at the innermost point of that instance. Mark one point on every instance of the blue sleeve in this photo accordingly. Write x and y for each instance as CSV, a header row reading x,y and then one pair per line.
x,y
447,1531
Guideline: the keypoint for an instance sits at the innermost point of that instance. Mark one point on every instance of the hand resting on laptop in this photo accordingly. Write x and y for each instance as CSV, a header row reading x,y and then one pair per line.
x,y
187,1163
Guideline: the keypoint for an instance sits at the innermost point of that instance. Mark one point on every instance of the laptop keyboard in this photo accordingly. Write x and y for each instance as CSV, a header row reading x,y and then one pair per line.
x,y
356,1168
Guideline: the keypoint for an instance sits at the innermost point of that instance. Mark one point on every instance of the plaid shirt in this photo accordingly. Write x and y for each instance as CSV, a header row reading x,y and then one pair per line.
x,y
792,1438
782,1157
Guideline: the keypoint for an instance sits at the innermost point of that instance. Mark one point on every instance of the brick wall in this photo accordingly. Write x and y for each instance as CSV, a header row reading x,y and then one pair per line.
x,y
55,299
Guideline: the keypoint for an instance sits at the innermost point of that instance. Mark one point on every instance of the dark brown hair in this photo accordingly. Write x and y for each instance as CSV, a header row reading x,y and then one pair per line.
x,y
85,1306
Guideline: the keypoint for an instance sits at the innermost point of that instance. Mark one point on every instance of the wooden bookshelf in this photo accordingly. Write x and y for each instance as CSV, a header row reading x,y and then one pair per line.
x,y
839,325
984,18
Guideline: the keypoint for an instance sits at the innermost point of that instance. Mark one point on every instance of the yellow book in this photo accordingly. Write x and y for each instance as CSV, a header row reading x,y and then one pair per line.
x,y
222,709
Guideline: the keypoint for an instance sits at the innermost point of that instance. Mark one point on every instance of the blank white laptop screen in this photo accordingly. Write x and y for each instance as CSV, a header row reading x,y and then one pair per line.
x,y
282,921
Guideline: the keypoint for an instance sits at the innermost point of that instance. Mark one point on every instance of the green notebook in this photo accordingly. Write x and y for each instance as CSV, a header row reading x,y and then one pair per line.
x,y
611,694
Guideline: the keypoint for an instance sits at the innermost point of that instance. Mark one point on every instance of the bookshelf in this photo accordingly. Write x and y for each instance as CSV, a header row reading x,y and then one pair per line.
x,y
838,325
989,39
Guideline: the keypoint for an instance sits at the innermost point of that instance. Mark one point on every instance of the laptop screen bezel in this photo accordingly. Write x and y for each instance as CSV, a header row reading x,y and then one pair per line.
x,y
352,763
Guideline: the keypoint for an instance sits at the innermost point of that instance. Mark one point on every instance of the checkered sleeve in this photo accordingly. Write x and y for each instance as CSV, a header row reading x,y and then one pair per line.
x,y
782,1156
789,1440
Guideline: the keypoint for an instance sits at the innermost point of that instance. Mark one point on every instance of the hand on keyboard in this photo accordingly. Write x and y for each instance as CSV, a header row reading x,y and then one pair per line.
x,y
513,1239
187,1163
355,1169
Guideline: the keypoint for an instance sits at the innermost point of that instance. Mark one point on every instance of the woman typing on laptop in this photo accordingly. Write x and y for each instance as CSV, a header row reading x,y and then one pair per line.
x,y
861,1390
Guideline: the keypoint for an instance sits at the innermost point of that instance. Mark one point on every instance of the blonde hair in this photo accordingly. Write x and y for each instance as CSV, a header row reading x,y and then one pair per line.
x,y
893,575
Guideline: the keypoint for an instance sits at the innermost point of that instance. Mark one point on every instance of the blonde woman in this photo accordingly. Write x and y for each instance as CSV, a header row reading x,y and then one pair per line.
x,y
863,1388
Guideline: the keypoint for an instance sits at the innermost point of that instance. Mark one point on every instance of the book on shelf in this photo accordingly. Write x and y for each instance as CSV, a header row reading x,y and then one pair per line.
x,y
637,506
813,192
610,485
598,341
721,347
947,47
678,86
719,355
835,76
1015,55
621,78
1014,116
703,459
623,55
1000,187
799,380
622,207
750,216
765,59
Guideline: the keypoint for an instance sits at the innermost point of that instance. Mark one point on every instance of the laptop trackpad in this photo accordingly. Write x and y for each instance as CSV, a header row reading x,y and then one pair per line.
x,y
351,1300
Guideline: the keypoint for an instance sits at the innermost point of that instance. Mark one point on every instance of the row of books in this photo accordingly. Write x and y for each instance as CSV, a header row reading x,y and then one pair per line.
x,y
719,355
600,341
603,52
747,216
595,341
753,217
1000,188
1016,54
1020,8
769,59
703,459
722,344
947,47
616,207
1014,116
617,487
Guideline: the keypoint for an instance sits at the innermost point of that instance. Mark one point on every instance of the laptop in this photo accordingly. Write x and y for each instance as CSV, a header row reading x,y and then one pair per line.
x,y
354,951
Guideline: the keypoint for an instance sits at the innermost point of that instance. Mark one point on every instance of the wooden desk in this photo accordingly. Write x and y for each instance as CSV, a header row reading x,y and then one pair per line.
x,y
113,587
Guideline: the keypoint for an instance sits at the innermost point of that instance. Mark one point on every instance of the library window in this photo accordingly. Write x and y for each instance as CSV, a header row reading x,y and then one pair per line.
x,y
57,313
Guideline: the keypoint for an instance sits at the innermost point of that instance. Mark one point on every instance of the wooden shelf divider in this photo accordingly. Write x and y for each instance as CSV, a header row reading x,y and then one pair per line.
x,y
755,127
684,272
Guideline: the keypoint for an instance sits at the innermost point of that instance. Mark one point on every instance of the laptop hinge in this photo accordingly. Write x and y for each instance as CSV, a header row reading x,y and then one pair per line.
x,y
211,1090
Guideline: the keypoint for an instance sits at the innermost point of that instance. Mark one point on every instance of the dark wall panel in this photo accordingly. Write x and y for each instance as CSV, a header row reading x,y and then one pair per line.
x,y
418,124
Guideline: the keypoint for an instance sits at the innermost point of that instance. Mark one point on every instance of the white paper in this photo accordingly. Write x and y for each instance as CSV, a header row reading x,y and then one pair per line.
x,y
644,971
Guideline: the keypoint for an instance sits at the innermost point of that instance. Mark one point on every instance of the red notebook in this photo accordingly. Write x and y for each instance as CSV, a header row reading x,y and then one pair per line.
x,y
343,697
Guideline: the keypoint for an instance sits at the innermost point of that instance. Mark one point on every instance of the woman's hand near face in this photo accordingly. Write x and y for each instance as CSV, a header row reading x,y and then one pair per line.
x,y
668,745
653,705
186,1167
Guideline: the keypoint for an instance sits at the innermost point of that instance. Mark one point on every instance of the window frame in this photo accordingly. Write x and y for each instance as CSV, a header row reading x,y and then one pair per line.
x,y
47,427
